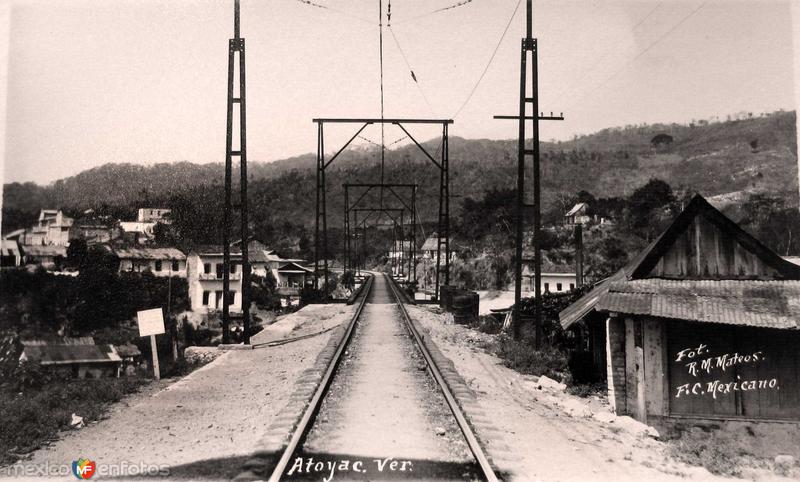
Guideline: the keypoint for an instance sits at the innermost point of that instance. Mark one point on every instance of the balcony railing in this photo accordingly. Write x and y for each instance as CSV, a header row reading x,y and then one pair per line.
x,y
213,276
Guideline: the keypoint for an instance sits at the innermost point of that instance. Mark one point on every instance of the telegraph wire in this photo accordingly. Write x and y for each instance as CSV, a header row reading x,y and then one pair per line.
x,y
489,63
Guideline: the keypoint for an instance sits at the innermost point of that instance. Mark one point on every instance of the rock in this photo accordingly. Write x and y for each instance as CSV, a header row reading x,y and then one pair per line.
x,y
440,431
76,422
785,461
547,382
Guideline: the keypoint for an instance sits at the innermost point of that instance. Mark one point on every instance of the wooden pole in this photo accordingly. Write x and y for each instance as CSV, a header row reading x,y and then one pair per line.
x,y
154,349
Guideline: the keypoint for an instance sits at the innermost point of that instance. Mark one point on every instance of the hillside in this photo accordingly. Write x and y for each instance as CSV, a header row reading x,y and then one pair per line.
x,y
712,158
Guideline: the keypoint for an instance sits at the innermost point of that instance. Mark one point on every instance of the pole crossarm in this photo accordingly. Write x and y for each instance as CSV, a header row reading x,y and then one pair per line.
x,y
530,117
341,120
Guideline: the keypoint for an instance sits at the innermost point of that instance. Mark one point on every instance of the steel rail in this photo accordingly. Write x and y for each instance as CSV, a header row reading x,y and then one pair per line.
x,y
466,430
314,405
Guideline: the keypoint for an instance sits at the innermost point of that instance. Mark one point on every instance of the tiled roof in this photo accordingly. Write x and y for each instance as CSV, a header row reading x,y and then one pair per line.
x,y
149,253
50,250
67,354
767,304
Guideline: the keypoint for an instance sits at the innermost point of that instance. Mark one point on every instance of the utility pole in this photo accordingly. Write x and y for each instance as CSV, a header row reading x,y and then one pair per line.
x,y
235,45
529,46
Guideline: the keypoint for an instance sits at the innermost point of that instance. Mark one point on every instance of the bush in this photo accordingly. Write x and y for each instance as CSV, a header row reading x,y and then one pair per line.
x,y
487,324
522,357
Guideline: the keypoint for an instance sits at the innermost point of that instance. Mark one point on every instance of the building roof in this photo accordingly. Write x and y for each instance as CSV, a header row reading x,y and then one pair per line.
x,y
576,209
9,247
294,268
59,340
643,263
14,234
137,227
150,253
549,269
69,354
767,304
49,250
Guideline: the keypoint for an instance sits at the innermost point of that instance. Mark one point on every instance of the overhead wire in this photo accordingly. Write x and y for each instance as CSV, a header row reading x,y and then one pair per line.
x,y
489,63
438,10
643,51
410,69
336,10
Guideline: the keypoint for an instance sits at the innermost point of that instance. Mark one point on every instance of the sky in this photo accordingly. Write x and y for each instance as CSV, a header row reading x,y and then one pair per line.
x,y
144,81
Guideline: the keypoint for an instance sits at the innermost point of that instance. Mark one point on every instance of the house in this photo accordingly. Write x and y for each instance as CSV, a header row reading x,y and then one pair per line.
x,y
428,249
400,251
157,261
291,277
10,254
138,232
48,256
556,278
703,325
204,273
154,215
80,355
95,230
578,215
51,229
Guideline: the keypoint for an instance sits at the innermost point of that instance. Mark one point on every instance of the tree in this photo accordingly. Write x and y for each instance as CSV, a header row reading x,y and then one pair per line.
x,y
647,203
77,252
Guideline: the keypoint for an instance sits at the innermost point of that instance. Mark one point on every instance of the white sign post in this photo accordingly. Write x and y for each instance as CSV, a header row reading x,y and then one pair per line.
x,y
151,323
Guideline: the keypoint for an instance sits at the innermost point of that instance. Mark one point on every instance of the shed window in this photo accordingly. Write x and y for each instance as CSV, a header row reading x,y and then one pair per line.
x,y
206,295
206,268
558,286
158,265
547,287
175,265
220,271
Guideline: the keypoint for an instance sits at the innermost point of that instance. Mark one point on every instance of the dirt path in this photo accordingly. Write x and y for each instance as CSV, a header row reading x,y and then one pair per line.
x,y
532,438
202,426
383,404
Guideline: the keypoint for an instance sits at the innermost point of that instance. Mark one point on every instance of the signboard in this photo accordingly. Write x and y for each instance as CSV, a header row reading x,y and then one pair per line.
x,y
151,322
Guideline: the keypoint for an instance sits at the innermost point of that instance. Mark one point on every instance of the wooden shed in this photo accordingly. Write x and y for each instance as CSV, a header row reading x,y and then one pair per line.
x,y
704,324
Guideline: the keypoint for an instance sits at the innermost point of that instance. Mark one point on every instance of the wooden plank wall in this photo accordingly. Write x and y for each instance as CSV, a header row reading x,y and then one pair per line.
x,y
703,251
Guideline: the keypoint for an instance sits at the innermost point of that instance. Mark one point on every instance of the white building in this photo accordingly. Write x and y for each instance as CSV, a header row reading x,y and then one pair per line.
x,y
51,229
154,215
158,261
204,273
555,278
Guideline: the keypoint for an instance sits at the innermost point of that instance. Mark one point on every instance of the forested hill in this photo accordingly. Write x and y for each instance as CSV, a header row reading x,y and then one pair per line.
x,y
747,153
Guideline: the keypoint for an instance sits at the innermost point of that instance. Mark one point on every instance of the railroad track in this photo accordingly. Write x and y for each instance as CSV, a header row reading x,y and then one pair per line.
x,y
294,449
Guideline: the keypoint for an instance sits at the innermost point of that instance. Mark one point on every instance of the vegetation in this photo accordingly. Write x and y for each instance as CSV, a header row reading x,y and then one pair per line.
x,y
36,403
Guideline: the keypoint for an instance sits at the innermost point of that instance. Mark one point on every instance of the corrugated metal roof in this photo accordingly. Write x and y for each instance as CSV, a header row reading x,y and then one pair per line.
x,y
767,304
575,209
149,253
67,354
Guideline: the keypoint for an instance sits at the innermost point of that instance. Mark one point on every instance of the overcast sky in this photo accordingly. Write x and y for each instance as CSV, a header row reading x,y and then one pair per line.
x,y
144,81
